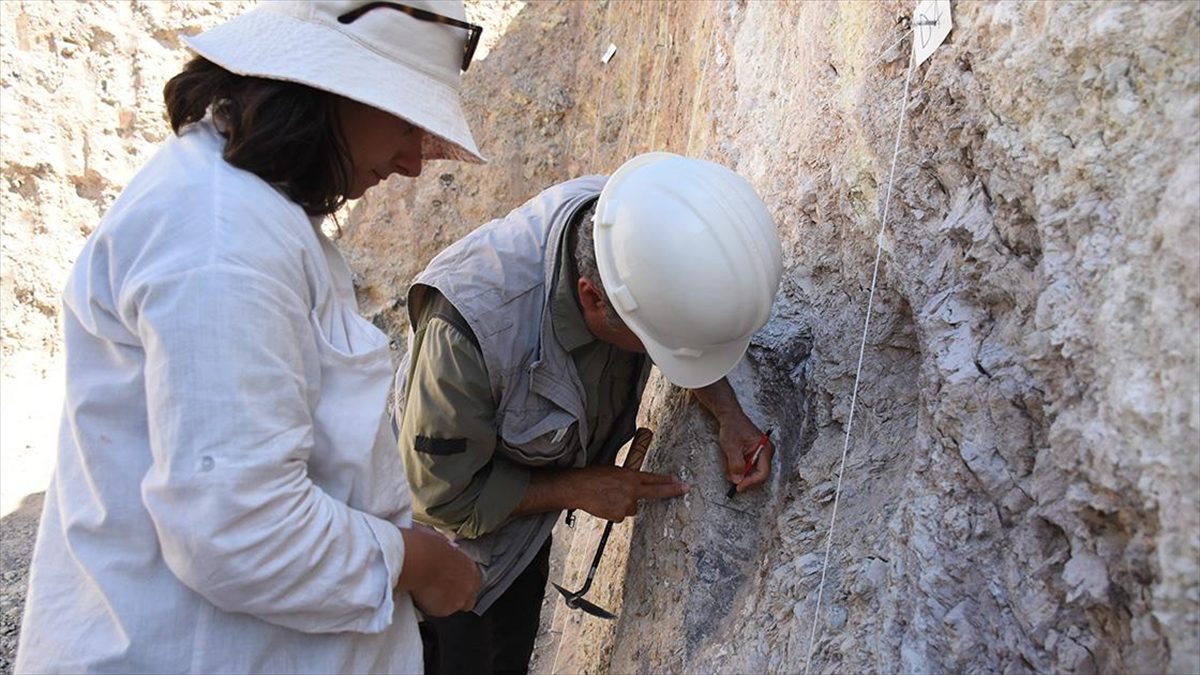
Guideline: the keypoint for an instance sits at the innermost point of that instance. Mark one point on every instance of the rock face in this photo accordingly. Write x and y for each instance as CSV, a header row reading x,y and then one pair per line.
x,y
82,103
1020,488
1020,485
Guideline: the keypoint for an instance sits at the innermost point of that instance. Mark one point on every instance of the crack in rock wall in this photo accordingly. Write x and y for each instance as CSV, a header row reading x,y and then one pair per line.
x,y
1020,491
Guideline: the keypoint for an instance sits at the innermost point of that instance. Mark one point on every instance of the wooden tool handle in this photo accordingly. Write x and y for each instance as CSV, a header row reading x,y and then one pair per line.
x,y
638,449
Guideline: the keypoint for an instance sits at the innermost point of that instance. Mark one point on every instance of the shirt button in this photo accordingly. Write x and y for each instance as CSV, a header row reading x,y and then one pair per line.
x,y
207,463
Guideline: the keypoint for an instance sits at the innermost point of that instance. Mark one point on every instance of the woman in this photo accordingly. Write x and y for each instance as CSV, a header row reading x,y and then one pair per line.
x,y
228,495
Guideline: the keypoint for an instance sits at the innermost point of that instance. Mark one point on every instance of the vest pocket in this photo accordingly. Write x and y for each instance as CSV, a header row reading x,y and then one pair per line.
x,y
550,438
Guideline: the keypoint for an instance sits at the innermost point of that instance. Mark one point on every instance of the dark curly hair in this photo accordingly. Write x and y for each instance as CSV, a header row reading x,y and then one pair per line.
x,y
288,134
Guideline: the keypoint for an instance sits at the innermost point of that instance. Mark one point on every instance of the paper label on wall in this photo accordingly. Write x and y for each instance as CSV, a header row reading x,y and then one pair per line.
x,y
931,25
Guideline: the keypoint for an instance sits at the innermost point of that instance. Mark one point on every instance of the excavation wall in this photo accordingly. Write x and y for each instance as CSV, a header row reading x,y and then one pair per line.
x,y
1021,476
1020,487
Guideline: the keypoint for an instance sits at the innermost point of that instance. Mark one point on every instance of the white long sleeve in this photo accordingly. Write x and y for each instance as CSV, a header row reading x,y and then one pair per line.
x,y
228,497
231,434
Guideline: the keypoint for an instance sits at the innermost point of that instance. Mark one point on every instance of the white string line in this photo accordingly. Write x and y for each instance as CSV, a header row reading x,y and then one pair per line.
x,y
885,52
837,494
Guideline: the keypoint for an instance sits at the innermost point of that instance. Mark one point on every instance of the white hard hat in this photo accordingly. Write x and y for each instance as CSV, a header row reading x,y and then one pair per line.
x,y
690,260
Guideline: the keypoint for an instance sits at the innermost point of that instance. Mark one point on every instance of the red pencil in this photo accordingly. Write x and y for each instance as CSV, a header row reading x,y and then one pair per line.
x,y
751,463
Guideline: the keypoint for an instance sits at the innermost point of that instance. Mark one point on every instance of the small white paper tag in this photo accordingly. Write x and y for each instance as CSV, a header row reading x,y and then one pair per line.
x,y
612,49
931,25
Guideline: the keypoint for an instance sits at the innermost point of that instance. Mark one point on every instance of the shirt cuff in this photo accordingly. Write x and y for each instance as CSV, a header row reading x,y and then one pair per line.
x,y
391,543
504,489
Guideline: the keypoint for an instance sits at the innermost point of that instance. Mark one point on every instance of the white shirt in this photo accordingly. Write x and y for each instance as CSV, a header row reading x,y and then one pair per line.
x,y
228,492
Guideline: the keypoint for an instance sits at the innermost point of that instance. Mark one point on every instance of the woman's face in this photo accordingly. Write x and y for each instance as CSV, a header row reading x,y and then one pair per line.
x,y
379,144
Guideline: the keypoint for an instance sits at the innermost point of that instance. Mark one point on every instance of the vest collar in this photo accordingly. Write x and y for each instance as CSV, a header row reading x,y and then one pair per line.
x,y
569,327
553,374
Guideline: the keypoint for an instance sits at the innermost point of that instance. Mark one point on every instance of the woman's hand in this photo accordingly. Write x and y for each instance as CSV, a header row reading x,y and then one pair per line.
x,y
441,578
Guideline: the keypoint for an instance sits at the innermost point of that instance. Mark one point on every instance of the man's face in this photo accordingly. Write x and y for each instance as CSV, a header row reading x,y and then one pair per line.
x,y
599,320
622,337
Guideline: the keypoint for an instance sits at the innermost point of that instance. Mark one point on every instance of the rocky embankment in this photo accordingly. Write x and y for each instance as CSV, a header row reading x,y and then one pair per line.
x,y
1020,488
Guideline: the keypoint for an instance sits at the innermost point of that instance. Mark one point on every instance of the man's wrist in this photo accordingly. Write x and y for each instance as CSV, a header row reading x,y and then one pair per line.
x,y
550,490
720,401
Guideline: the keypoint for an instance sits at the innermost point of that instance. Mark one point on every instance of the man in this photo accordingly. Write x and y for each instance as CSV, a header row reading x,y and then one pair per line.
x,y
528,358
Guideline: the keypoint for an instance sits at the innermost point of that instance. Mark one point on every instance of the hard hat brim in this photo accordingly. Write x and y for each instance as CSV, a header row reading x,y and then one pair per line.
x,y
694,372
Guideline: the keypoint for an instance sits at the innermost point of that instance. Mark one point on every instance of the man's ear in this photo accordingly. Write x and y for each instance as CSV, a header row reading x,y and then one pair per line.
x,y
590,297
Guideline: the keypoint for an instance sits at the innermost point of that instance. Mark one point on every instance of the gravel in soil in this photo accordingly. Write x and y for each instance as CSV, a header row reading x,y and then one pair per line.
x,y
18,530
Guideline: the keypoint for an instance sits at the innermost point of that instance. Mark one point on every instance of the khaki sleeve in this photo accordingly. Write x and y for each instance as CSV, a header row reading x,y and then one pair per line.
x,y
448,437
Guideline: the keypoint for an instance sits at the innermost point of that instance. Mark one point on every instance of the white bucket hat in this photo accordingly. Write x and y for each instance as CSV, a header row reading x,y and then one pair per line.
x,y
385,58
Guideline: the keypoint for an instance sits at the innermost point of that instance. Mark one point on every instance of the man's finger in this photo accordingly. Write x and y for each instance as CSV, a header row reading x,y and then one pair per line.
x,y
662,490
734,464
647,478
761,470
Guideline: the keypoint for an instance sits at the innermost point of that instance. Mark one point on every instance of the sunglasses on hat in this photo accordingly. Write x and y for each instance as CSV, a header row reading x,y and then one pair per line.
x,y
473,30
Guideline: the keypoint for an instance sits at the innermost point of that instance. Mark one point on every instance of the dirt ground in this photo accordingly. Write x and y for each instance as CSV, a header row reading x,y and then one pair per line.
x,y
17,532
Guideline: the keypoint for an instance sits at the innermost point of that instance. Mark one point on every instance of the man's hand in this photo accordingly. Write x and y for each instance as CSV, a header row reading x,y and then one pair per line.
x,y
739,436
613,496
441,578
612,492
609,492
739,439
